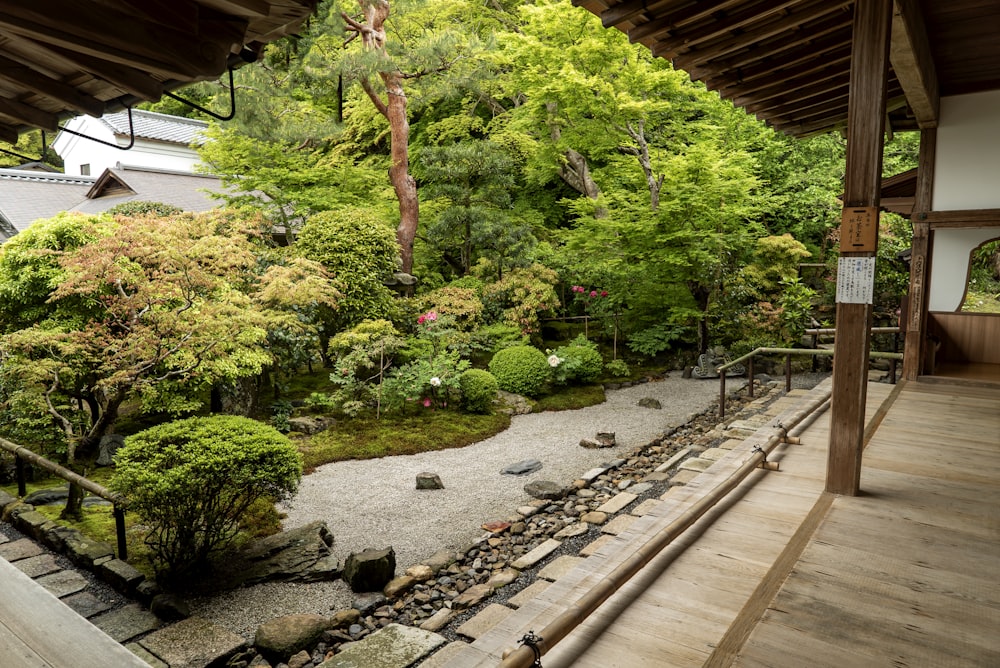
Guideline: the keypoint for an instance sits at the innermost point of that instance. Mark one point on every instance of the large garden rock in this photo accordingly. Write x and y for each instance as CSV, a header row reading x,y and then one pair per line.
x,y
310,424
545,489
109,445
297,555
370,570
280,638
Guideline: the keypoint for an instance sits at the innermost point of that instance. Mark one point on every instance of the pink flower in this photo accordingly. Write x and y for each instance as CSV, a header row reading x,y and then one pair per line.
x,y
577,288
432,315
593,293
421,319
604,293
427,402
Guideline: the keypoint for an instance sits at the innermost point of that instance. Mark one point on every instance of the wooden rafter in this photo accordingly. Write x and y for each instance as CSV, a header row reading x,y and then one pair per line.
x,y
912,61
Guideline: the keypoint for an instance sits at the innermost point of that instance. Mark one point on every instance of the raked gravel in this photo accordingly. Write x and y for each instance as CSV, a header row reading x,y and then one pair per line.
x,y
374,503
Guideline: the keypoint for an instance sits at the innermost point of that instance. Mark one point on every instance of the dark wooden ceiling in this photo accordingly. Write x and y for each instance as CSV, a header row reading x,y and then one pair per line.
x,y
61,58
788,61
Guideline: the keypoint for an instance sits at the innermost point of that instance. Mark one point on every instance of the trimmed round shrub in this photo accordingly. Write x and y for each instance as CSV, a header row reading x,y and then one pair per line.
x,y
521,370
585,362
193,481
479,389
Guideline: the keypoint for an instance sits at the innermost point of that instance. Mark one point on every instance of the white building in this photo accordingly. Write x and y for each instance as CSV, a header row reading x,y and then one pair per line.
x,y
162,142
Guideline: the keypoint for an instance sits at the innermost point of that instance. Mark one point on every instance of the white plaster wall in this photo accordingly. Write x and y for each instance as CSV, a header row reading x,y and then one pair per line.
x,y
76,151
967,170
950,267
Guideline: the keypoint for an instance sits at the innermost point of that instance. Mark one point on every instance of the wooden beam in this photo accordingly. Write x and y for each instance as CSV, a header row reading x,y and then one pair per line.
x,y
28,115
821,65
66,95
862,188
675,19
105,33
8,134
967,218
726,26
915,340
129,79
912,62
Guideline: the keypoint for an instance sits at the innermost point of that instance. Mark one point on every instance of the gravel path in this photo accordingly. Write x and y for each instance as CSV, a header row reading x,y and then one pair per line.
x,y
374,503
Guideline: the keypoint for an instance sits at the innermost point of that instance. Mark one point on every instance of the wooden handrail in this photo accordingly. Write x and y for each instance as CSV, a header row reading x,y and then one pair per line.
x,y
574,615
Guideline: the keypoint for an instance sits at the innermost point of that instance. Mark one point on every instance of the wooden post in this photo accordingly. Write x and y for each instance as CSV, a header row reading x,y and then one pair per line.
x,y
22,482
862,187
788,373
750,377
119,514
915,323
722,394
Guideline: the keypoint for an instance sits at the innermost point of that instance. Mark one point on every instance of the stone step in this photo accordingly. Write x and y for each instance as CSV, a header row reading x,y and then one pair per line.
x,y
395,646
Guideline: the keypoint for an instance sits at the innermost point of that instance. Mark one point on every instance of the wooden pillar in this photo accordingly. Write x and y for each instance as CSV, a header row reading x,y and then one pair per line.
x,y
915,324
862,186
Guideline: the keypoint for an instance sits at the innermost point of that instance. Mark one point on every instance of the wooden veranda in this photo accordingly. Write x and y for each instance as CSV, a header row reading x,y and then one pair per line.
x,y
786,574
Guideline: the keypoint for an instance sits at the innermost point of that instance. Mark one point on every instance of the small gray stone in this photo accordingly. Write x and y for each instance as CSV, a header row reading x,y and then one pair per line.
x,y
367,602
169,607
650,402
194,643
280,638
128,622
523,467
46,497
120,575
86,604
429,481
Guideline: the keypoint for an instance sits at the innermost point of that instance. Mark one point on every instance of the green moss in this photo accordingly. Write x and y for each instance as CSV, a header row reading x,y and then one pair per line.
x,y
571,398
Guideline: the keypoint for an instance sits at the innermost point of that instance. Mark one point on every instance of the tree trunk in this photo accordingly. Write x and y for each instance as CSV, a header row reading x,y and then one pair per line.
x,y
641,151
574,172
701,296
393,108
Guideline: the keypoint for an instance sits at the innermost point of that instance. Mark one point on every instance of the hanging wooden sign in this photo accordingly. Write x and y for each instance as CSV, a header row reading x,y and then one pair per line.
x,y
859,229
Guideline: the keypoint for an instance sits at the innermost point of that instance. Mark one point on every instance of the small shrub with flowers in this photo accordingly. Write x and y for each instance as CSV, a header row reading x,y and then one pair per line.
x,y
521,297
521,370
362,357
578,362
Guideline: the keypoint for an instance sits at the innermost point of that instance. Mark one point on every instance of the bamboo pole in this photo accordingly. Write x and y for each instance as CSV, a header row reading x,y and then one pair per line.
x,y
574,615
27,455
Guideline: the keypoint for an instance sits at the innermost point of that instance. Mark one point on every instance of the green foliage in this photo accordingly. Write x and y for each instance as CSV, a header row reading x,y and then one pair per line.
x,y
498,336
579,362
193,481
479,390
358,248
143,208
617,368
521,297
460,303
362,355
521,370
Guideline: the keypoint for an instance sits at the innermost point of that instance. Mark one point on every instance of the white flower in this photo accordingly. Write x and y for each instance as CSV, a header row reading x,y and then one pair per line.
x,y
435,381
554,361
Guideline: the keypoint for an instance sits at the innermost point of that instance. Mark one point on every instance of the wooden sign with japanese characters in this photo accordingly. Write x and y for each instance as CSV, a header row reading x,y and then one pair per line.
x,y
859,229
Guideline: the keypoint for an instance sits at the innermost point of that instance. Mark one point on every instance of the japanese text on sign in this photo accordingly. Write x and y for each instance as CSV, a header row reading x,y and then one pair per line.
x,y
855,280
859,229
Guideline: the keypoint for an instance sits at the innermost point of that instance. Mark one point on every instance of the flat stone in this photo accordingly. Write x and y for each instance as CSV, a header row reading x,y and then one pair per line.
x,y
145,655
395,646
594,546
485,620
714,454
645,507
534,556
523,467
444,656
63,583
545,489
529,593
572,530
399,586
503,578
527,511
280,638
674,460
23,548
618,524
120,575
86,552
3,539
438,620
697,464
594,517
471,597
640,488
128,622
730,444
440,559
5,500
617,502
420,572
656,476
86,604
559,567
594,473
193,643
684,477
33,567
32,522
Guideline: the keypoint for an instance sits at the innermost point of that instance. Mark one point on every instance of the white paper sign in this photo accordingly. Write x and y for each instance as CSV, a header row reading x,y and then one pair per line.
x,y
855,280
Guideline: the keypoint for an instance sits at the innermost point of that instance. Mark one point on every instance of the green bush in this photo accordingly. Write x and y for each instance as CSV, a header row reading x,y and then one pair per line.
x,y
194,480
617,368
479,389
579,362
144,208
521,370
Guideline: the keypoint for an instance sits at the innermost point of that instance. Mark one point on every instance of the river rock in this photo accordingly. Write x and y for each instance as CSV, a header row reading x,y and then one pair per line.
x,y
545,489
280,638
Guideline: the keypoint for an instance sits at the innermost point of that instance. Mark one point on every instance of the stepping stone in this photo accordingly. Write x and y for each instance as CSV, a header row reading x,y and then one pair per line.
x,y
444,655
529,593
730,444
395,646
656,476
22,548
595,545
617,502
572,531
63,583
714,454
127,622
618,524
144,654
86,604
645,507
531,558
192,643
674,460
683,477
35,567
438,620
489,617
523,467
559,567
640,488
698,465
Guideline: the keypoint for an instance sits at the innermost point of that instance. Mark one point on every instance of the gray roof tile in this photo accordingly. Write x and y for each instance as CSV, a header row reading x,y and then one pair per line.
x,y
162,127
